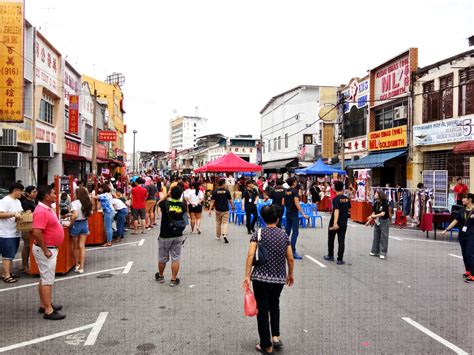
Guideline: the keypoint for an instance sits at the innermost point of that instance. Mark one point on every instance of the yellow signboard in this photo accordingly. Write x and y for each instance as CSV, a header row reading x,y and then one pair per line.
x,y
391,138
11,61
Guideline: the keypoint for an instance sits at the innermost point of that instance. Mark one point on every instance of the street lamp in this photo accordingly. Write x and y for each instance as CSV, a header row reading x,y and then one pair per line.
x,y
133,157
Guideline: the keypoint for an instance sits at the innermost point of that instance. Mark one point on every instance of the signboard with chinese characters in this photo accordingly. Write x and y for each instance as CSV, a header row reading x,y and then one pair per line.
x,y
45,134
72,148
392,80
445,131
11,61
355,145
48,66
392,138
107,136
356,94
86,152
101,151
73,114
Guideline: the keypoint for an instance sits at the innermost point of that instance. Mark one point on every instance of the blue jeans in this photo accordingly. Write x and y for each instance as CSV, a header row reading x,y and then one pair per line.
x,y
108,218
121,218
292,223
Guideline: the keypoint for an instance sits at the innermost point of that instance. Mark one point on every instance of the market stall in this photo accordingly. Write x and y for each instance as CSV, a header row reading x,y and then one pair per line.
x,y
361,206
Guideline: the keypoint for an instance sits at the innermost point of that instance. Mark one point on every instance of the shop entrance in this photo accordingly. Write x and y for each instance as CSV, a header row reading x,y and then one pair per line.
x,y
43,172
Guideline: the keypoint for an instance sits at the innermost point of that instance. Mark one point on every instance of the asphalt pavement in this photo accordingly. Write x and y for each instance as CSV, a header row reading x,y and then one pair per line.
x,y
414,302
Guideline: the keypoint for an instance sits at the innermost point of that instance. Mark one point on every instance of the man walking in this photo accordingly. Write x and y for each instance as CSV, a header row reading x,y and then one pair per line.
x,y
338,223
139,195
250,198
48,235
292,204
10,208
277,195
150,203
220,199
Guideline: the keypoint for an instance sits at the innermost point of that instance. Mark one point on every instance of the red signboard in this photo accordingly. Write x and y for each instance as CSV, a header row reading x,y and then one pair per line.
x,y
73,114
72,148
107,136
101,151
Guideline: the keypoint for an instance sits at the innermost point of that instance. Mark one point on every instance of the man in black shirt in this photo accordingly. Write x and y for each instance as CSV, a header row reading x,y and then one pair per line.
x,y
277,195
220,199
338,223
250,197
292,204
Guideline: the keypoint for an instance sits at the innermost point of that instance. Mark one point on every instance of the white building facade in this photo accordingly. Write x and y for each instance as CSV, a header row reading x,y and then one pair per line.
x,y
184,131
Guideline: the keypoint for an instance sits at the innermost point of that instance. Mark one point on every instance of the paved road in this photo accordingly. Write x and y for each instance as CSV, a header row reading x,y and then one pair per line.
x,y
366,306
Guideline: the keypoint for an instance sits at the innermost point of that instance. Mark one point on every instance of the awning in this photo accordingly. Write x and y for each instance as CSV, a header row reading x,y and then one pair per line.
x,y
376,160
464,148
279,164
337,166
74,157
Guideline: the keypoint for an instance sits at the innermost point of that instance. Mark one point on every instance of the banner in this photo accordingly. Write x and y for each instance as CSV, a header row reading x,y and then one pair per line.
x,y
107,136
73,114
445,131
392,138
11,61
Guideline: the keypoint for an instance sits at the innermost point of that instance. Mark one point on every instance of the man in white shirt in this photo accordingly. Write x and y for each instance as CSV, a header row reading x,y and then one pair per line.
x,y
10,208
122,211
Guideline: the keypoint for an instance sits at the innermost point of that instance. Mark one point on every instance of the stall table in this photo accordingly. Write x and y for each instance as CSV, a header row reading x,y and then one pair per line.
x,y
65,261
429,221
360,211
325,204
96,229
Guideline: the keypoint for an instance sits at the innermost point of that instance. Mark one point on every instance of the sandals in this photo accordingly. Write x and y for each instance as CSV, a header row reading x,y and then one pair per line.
x,y
263,351
9,280
106,245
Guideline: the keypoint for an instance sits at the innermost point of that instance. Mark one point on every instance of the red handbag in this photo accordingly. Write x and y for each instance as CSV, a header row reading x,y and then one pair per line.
x,y
250,304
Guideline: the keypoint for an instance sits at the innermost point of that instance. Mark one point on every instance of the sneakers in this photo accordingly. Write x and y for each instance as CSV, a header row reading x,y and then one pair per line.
x,y
373,254
77,267
466,274
296,256
328,258
340,262
56,307
226,240
174,283
159,278
469,279
218,238
382,257
54,316
80,271
249,232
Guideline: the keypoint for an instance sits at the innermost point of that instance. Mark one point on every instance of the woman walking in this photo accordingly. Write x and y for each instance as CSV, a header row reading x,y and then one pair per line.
x,y
195,197
268,279
106,201
81,210
381,218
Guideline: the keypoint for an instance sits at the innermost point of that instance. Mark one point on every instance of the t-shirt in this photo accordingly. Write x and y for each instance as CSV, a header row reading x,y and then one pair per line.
x,y
152,191
77,206
314,190
221,197
118,204
276,243
46,220
277,195
190,194
176,211
139,195
381,206
343,204
28,205
290,195
466,218
8,226
460,191
249,197
106,202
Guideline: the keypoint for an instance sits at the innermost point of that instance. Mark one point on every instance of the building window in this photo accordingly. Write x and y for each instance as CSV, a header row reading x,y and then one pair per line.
x,y
430,103
88,135
274,143
391,116
446,95
466,91
279,143
286,140
355,122
66,119
269,145
263,147
46,112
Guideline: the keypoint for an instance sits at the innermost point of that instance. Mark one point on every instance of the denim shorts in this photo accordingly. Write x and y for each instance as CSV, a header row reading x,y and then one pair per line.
x,y
79,227
9,247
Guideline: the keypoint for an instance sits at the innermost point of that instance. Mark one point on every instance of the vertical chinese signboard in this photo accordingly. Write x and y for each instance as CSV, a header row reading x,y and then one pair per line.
x,y
11,61
73,114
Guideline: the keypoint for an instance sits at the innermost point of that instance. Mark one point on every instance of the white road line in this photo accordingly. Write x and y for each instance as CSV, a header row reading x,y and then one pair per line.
x,y
435,336
141,242
426,240
63,278
96,329
128,267
396,238
315,261
113,246
456,256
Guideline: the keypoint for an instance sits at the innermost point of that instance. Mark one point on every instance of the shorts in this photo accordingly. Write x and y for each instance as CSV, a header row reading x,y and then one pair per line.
x,y
79,227
9,247
46,266
138,213
150,206
195,209
169,247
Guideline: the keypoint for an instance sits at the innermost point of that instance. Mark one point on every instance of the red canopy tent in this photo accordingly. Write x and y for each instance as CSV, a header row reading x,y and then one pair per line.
x,y
229,163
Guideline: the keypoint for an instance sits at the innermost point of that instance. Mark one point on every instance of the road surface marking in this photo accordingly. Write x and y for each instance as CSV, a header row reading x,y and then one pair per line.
x,y
434,336
456,256
113,246
315,261
128,267
141,242
426,240
96,329
396,238
63,278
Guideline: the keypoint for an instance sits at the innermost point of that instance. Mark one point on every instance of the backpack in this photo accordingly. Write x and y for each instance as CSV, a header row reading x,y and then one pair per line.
x,y
176,226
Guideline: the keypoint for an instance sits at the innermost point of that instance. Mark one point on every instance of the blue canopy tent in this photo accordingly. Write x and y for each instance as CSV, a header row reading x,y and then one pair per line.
x,y
319,168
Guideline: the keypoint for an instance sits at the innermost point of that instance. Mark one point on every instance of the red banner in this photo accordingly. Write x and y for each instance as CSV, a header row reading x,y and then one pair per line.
x,y
101,151
107,136
73,114
72,148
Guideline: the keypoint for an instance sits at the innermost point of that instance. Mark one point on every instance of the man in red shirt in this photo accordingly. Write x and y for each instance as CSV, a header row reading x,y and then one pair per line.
x,y
48,235
460,190
139,196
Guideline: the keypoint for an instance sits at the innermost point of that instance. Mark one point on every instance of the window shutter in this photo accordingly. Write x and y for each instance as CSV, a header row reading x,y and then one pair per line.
x,y
470,98
435,105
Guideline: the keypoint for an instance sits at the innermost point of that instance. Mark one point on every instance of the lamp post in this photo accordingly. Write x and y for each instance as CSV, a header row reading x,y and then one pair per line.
x,y
134,133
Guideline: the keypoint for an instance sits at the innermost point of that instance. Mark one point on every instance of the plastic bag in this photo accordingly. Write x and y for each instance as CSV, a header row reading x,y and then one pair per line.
x,y
250,304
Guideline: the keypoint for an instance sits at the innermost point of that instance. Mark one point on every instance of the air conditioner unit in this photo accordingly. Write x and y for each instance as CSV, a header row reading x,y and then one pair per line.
x,y
8,137
44,150
10,159
400,113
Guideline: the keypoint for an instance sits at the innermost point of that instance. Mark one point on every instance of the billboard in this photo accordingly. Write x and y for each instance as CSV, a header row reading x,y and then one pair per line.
x,y
107,136
73,114
444,132
391,138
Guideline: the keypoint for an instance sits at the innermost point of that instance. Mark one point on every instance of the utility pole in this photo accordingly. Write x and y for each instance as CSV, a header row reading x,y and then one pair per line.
x,y
133,157
94,135
341,122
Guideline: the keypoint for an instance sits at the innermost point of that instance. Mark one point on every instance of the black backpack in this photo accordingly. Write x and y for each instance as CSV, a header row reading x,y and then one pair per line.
x,y
176,226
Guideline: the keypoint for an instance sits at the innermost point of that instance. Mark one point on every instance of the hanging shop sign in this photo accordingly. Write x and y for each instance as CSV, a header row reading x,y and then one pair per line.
x,y
356,93
101,151
392,138
107,136
11,61
72,148
444,131
47,66
355,145
73,114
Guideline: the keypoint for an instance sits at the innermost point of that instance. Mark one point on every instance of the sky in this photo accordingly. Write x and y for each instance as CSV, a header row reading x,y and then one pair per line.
x,y
228,58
